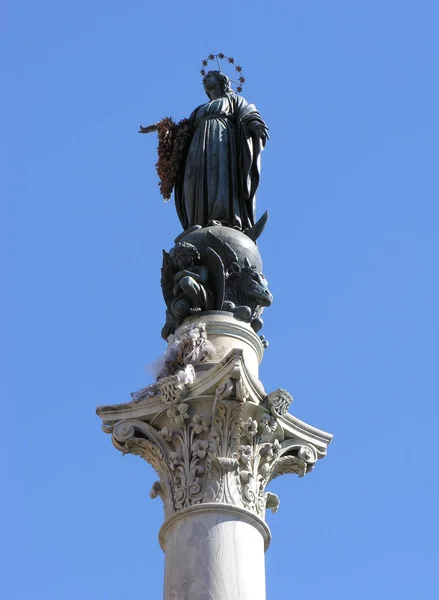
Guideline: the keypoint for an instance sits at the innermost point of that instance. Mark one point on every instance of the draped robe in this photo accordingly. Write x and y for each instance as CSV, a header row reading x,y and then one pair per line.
x,y
222,165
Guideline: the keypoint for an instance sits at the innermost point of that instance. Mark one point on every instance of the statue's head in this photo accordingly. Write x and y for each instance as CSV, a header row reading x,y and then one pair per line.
x,y
217,79
184,254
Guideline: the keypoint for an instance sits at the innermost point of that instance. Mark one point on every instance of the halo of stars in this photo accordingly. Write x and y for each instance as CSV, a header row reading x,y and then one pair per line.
x,y
231,61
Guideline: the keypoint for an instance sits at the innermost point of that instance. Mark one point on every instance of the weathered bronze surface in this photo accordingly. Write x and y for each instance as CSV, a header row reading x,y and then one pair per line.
x,y
215,161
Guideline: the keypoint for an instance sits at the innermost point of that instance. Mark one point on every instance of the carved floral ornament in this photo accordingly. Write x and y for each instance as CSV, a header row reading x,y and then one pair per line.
x,y
211,432
213,450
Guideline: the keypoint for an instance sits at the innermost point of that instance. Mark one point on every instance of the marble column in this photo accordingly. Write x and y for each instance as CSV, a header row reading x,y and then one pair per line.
x,y
216,440
214,552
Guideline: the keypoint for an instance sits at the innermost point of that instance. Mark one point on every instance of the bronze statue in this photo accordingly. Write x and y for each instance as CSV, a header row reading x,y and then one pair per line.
x,y
217,159
211,162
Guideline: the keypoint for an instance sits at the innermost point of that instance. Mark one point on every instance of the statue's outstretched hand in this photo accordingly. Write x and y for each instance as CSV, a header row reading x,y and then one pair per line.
x,y
148,129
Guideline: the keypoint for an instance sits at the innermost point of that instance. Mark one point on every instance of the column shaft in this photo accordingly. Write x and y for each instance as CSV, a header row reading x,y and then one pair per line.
x,y
214,552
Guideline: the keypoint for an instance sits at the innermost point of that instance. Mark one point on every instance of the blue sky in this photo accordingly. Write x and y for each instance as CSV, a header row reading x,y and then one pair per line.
x,y
350,92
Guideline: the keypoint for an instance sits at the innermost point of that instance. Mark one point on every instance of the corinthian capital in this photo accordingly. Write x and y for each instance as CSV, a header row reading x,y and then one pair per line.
x,y
215,437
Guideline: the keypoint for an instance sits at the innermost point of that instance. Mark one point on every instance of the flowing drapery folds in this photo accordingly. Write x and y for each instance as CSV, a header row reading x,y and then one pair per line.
x,y
212,161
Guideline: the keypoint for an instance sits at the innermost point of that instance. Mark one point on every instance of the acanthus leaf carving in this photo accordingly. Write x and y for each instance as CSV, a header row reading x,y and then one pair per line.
x,y
221,481
219,446
287,464
272,502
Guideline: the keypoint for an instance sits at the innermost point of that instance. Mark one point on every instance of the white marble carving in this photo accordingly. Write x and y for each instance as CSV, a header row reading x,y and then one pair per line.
x,y
214,552
213,437
216,440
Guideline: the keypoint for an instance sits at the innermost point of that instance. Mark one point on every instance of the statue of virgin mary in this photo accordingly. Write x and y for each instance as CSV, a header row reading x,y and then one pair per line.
x,y
218,168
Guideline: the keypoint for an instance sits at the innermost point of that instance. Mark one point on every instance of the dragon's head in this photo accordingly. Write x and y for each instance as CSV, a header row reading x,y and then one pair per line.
x,y
251,284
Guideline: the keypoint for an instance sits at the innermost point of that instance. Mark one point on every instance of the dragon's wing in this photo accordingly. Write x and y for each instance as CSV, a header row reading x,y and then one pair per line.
x,y
223,249
217,276
167,280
